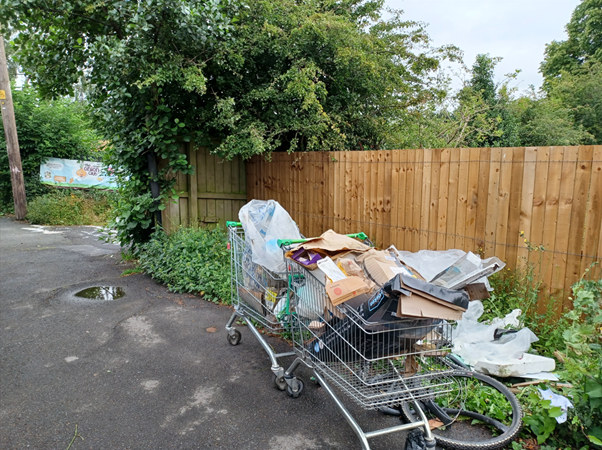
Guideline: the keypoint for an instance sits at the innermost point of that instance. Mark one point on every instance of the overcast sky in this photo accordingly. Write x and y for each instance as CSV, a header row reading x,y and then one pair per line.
x,y
516,30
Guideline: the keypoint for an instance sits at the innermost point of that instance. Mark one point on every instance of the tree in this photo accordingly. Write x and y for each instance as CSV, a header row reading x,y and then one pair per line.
x,y
274,75
545,121
582,94
59,128
584,44
573,68
319,76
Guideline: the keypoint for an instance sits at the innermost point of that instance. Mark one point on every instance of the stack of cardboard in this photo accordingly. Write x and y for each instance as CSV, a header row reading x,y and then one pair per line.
x,y
421,299
354,271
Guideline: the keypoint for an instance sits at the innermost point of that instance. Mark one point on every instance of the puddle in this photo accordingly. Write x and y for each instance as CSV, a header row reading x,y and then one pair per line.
x,y
104,293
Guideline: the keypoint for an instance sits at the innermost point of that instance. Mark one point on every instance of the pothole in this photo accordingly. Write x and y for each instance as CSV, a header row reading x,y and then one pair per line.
x,y
101,293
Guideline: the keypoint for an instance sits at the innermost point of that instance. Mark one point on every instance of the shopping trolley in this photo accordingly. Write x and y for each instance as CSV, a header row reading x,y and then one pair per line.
x,y
261,298
378,360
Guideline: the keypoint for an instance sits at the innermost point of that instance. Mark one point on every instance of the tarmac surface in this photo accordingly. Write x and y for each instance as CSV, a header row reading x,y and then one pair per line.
x,y
142,371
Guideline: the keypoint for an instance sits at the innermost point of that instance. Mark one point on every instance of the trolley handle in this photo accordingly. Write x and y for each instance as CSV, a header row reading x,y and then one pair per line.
x,y
287,242
231,224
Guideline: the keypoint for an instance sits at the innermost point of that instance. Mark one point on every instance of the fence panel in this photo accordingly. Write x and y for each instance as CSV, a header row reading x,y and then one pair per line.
x,y
211,196
474,199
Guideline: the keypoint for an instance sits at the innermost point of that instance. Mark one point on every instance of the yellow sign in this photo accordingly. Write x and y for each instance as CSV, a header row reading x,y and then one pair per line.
x,y
2,95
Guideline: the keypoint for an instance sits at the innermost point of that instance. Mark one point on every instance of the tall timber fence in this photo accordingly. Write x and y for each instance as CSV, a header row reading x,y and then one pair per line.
x,y
477,199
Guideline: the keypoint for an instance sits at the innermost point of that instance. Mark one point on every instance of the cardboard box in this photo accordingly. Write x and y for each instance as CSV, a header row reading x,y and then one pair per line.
x,y
417,305
346,289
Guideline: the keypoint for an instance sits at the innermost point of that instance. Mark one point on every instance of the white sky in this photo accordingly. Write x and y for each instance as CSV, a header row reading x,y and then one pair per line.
x,y
516,30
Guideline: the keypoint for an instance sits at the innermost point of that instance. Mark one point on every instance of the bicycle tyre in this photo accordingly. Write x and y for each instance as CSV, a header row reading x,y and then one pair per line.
x,y
495,442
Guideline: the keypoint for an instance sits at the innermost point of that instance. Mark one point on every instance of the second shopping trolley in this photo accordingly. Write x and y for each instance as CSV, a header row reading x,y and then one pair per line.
x,y
375,358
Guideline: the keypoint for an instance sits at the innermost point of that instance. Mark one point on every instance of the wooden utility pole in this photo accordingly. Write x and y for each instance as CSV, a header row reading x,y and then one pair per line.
x,y
12,141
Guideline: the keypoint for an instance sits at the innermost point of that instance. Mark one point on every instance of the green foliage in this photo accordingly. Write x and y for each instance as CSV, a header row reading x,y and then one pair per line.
x,y
319,76
193,260
59,128
142,63
575,338
540,415
485,113
70,207
9,50
573,68
546,120
584,44
582,94
583,355
472,395
133,271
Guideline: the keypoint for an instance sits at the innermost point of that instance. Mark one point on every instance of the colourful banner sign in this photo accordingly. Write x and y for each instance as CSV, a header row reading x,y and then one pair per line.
x,y
79,174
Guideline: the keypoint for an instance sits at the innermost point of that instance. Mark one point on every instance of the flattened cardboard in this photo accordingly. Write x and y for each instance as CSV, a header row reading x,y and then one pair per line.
x,y
334,242
418,306
346,289
252,298
430,297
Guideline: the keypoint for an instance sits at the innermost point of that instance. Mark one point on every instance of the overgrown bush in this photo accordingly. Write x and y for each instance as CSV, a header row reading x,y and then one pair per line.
x,y
574,339
195,260
70,207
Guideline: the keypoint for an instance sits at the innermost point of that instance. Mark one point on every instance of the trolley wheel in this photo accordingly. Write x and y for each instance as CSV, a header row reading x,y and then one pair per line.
x,y
491,432
279,382
234,339
300,385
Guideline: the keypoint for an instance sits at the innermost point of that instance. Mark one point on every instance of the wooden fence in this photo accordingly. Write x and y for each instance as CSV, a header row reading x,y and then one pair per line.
x,y
467,198
213,195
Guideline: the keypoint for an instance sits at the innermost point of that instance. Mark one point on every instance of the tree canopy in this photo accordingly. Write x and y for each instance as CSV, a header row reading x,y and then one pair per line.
x,y
573,68
584,43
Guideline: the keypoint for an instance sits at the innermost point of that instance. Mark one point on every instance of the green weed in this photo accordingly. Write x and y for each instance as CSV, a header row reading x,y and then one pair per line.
x,y
70,207
133,271
193,260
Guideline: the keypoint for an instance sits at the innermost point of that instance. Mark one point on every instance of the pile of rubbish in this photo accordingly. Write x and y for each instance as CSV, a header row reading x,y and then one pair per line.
x,y
444,285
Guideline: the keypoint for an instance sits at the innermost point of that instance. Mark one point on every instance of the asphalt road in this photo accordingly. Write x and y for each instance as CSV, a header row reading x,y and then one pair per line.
x,y
140,372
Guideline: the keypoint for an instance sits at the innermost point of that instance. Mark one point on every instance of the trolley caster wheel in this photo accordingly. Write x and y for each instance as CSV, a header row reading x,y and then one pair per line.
x,y
234,339
300,386
279,382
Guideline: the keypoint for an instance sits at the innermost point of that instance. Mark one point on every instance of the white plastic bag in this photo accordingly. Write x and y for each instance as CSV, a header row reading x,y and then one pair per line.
x,y
473,341
264,222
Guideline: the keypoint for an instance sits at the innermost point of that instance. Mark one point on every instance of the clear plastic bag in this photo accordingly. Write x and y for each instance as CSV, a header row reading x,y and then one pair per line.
x,y
264,222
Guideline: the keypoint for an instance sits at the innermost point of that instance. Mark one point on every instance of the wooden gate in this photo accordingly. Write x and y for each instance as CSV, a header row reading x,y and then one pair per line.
x,y
210,197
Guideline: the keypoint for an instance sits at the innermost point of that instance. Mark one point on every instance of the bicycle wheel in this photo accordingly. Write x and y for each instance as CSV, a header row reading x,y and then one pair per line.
x,y
476,412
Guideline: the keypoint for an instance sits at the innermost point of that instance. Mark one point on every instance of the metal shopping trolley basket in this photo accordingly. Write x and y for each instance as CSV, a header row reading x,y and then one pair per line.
x,y
260,297
361,347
